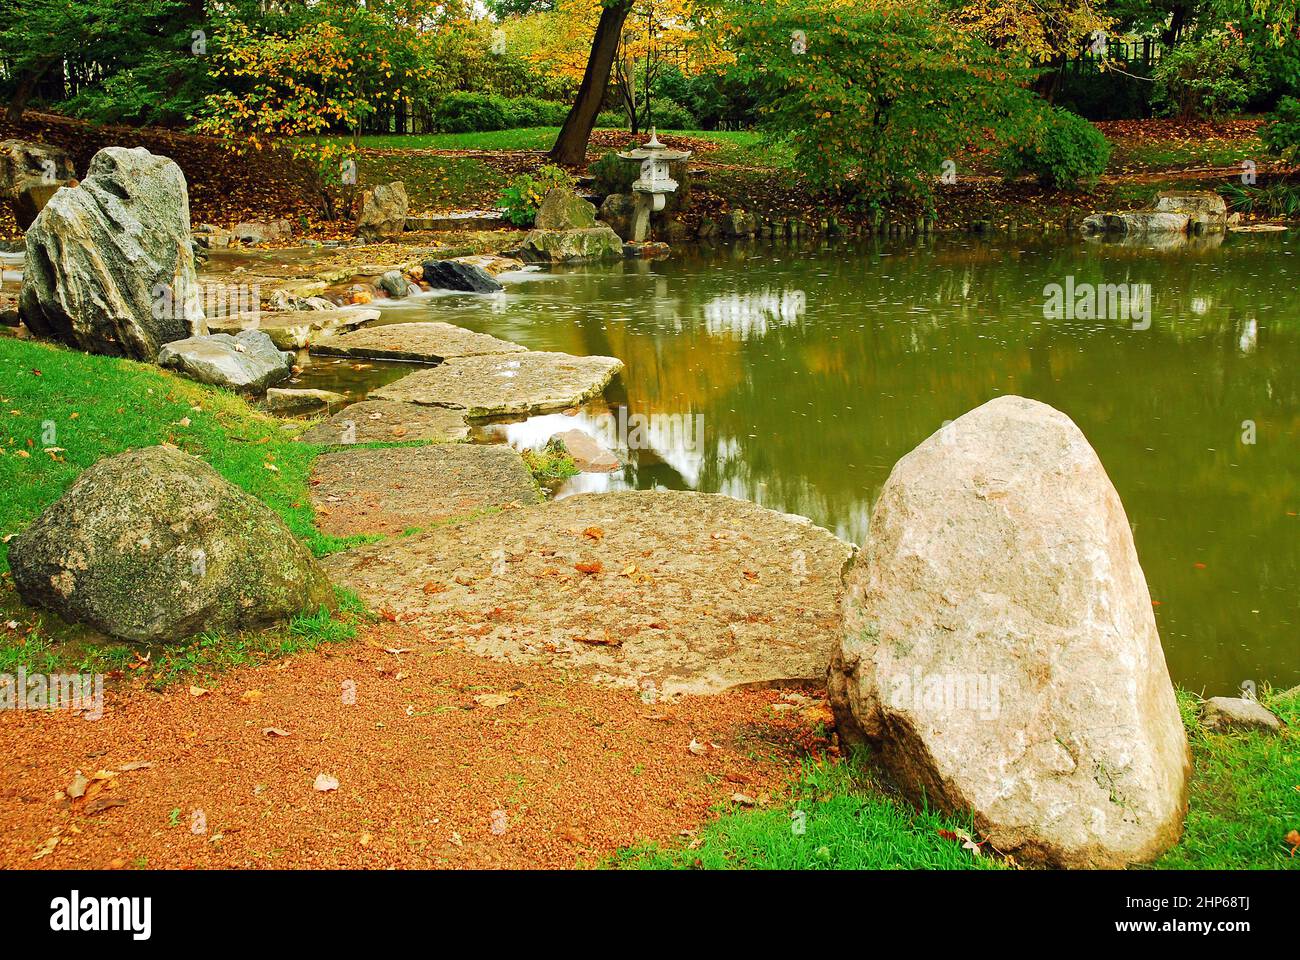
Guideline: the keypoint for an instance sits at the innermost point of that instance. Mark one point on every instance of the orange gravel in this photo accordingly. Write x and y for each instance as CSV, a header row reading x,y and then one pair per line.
x,y
542,771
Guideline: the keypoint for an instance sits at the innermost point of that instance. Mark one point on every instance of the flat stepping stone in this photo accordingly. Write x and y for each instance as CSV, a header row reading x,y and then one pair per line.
x,y
293,329
396,489
497,385
431,342
384,421
688,592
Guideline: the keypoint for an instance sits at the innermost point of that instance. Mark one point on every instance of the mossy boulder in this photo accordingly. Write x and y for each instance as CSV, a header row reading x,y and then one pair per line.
x,y
154,545
588,245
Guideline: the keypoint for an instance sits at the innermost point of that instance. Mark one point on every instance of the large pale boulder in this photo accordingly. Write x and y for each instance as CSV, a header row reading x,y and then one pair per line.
x,y
154,545
383,212
999,647
109,265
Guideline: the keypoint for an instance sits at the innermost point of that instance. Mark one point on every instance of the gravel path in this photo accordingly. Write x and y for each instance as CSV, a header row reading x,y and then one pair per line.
x,y
443,760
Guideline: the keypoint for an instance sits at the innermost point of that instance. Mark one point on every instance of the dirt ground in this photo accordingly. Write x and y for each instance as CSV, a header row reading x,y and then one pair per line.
x,y
442,760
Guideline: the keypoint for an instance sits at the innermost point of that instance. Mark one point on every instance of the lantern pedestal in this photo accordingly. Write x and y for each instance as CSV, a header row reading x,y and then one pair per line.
x,y
650,190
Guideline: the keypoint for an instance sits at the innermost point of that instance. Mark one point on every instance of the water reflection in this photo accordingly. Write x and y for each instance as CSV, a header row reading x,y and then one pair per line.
x,y
815,370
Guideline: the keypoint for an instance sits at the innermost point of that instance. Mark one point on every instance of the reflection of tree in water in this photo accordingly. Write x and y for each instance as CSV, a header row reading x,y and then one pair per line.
x,y
807,411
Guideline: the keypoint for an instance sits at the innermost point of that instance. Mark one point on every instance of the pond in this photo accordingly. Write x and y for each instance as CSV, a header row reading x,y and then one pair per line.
x,y
797,377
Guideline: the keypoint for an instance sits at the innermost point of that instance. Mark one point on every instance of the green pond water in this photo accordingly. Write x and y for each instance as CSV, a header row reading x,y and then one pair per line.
x,y
797,377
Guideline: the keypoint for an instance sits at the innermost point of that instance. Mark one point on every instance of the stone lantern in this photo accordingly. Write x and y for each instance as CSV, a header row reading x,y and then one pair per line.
x,y
650,190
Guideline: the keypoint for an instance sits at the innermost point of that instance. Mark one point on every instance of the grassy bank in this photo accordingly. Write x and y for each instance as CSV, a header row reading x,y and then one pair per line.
x,y
1245,799
64,410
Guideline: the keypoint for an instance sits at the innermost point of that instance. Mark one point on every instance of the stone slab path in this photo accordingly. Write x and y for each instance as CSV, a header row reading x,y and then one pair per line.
x,y
680,592
385,421
424,342
294,329
391,490
522,383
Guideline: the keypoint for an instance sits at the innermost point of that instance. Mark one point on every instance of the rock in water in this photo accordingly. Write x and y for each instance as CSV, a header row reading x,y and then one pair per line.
x,y
110,266
153,545
459,275
247,361
383,212
1000,648
589,245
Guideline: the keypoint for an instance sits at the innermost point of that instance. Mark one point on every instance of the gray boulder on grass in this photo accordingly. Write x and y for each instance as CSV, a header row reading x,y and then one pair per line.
x,y
1237,713
154,545
109,265
999,646
248,361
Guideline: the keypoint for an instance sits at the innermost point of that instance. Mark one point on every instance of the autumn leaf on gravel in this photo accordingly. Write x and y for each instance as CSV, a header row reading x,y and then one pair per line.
x,y
589,567
432,587
46,848
77,788
492,700
325,783
198,692
697,748
744,799
593,533
1293,838
274,732
134,765
100,804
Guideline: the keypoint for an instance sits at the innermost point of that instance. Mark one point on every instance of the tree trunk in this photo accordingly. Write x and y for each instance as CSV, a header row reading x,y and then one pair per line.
x,y
26,87
571,145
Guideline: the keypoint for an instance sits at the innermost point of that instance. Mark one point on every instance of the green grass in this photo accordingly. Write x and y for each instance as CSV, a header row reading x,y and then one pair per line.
x,y
1245,794
550,464
62,410
1245,797
847,824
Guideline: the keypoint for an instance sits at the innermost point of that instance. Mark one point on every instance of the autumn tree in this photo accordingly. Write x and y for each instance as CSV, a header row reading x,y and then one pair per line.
x,y
307,83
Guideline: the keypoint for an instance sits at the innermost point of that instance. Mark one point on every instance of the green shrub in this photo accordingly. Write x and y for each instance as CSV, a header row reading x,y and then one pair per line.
x,y
1282,134
611,119
1063,151
613,174
667,115
524,195
1207,78
466,112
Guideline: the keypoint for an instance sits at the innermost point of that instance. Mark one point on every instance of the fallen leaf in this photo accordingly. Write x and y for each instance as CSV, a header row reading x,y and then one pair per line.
x,y
100,804
698,748
589,567
744,799
274,732
135,765
492,700
325,783
593,533
46,848
198,692
77,788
